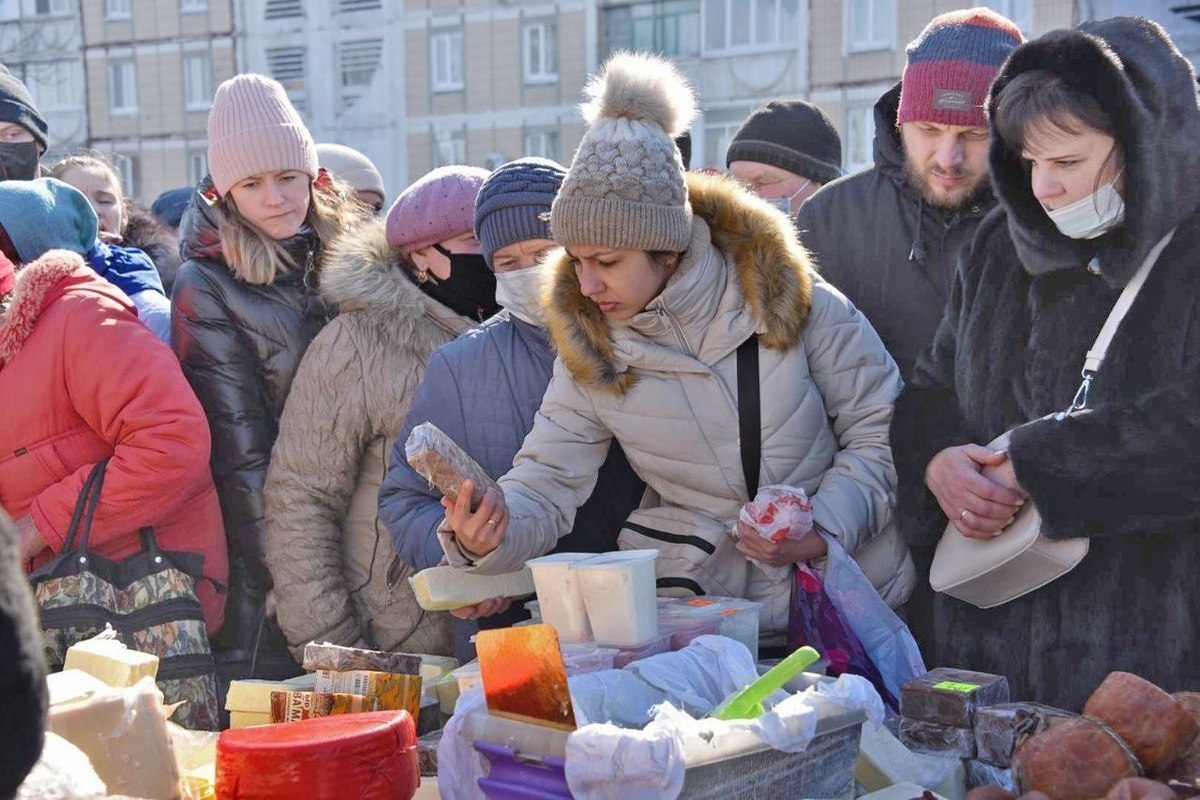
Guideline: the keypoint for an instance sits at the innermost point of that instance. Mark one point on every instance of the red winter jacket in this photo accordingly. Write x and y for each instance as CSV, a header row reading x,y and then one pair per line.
x,y
81,379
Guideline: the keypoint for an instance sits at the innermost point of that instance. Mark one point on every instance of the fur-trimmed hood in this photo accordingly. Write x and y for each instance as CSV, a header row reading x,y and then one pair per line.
x,y
40,283
364,273
771,269
1131,67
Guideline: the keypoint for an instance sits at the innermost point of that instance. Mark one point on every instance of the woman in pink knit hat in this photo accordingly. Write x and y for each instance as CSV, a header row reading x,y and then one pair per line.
x,y
336,576
246,304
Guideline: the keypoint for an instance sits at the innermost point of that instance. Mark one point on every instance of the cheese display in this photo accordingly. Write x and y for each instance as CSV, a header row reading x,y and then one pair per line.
x,y
446,588
108,659
369,756
252,696
123,732
247,719
382,691
1153,723
336,658
996,728
437,459
951,696
943,740
1076,760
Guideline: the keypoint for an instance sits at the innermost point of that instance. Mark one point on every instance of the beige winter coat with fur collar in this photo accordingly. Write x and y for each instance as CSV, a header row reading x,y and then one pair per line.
x,y
336,576
665,387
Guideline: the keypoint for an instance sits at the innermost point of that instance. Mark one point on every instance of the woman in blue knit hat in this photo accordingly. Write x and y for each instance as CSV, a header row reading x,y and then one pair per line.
x,y
484,389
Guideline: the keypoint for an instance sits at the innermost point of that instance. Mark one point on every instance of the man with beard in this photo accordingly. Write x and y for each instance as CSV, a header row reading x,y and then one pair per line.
x,y
889,236
23,130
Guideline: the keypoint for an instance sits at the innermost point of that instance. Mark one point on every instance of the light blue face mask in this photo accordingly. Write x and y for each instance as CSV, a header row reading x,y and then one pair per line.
x,y
784,204
1091,216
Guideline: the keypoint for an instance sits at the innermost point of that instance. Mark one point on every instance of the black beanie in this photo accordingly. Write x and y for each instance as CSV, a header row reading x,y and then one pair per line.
x,y
792,135
16,105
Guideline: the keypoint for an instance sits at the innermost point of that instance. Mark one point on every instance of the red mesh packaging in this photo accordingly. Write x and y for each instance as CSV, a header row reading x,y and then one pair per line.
x,y
1153,723
368,756
437,459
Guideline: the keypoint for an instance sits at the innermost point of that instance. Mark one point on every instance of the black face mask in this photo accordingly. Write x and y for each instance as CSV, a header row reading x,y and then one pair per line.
x,y
18,161
471,288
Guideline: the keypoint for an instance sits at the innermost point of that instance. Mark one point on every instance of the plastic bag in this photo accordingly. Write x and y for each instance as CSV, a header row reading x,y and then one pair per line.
x,y
777,513
837,611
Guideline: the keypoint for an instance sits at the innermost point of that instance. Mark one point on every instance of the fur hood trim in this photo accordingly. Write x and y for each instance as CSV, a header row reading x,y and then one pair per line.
x,y
770,266
35,283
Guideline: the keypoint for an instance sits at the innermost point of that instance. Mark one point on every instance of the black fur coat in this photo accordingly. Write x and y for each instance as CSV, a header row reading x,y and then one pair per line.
x,y
1127,474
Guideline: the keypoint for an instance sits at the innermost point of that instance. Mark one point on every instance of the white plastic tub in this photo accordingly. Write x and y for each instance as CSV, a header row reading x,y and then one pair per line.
x,y
560,601
619,594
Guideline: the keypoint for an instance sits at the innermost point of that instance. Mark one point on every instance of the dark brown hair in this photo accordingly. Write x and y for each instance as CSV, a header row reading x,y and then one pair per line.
x,y
1042,100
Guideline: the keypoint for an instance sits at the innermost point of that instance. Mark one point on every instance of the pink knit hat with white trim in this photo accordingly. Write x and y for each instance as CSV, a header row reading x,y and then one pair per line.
x,y
253,128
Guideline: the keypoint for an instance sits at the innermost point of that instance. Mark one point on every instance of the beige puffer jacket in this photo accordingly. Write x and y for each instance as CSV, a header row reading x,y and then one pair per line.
x,y
336,576
665,387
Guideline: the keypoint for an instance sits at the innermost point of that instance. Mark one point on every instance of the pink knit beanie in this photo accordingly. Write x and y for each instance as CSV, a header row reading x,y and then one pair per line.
x,y
435,208
253,128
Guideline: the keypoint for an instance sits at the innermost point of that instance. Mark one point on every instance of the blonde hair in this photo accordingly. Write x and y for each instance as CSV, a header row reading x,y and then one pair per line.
x,y
257,258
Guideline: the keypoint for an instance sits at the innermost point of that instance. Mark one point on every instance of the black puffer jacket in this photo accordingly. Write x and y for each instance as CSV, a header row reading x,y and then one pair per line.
x,y
22,671
894,255
1126,473
239,344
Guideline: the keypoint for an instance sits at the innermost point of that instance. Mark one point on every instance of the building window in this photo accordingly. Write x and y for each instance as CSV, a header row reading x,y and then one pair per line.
x,y
870,25
858,143
717,136
286,65
193,6
1019,11
542,144
359,61
346,6
750,24
122,87
116,9
53,85
279,9
446,55
449,147
10,9
44,8
127,173
540,48
668,27
197,81
197,167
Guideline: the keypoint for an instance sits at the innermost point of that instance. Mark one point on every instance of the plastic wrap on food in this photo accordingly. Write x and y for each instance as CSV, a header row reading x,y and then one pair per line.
x,y
292,706
1153,723
1185,770
427,747
996,728
1075,760
342,659
369,756
63,772
951,696
437,459
981,773
942,740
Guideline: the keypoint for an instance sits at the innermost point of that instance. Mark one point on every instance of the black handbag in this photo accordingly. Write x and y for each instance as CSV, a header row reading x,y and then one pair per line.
x,y
149,599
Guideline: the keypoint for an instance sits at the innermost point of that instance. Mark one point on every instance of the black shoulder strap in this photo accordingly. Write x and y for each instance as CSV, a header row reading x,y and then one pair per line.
x,y
749,412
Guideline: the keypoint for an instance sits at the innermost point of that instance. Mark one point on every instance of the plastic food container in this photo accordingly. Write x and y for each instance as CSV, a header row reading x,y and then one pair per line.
x,y
560,600
469,676
660,643
686,622
587,657
739,618
619,594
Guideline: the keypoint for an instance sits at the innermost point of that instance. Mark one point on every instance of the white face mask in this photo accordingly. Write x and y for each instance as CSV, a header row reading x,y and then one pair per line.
x,y
784,204
1091,216
520,291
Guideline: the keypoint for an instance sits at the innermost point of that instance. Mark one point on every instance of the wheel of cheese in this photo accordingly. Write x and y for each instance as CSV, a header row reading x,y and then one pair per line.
x,y
363,756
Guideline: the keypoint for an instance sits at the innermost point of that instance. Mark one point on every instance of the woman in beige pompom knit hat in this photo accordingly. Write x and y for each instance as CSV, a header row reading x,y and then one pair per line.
x,y
667,281
246,304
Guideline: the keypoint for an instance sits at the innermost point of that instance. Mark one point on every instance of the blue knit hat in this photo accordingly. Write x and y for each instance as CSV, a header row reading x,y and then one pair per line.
x,y
46,214
514,203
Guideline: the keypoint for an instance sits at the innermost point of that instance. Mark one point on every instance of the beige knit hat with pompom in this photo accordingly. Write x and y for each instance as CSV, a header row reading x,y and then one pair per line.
x,y
625,187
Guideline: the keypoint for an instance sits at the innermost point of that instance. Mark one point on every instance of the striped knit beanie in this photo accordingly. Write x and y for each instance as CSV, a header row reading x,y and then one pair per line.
x,y
951,66
514,203
253,128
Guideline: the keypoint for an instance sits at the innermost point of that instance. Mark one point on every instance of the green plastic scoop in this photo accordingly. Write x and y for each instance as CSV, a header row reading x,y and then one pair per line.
x,y
747,704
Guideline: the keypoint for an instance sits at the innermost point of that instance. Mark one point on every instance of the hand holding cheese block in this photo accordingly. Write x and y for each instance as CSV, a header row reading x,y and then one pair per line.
x,y
445,588
437,459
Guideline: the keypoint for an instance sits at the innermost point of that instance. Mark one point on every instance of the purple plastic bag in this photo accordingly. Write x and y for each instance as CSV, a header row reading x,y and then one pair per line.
x,y
813,620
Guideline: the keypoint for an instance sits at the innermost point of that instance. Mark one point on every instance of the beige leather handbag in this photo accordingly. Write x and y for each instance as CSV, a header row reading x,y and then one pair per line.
x,y
1020,559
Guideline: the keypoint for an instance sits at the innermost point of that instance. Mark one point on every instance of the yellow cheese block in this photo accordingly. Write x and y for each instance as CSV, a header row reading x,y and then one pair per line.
x,y
248,719
447,692
446,588
201,783
111,661
253,695
72,684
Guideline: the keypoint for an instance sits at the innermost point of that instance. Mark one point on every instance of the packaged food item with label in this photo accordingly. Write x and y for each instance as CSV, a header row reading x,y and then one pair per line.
x,y
996,728
287,706
942,740
383,691
337,658
950,697
1153,723
438,459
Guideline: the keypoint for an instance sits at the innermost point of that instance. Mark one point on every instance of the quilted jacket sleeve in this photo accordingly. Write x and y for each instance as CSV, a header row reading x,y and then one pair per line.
x,y
324,430
859,382
222,371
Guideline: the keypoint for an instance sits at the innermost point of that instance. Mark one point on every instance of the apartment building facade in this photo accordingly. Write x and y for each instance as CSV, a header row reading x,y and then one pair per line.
x,y
151,69
41,42
858,54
